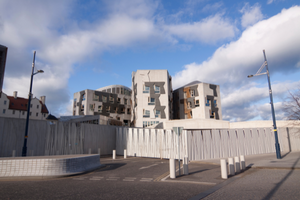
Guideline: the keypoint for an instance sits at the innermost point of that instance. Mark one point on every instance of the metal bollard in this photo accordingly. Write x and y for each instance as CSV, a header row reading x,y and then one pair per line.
x,y
231,166
114,154
172,168
14,153
186,166
125,153
90,151
237,164
243,163
223,169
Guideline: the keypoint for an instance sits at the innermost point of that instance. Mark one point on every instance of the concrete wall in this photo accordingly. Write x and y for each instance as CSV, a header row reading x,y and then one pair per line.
x,y
56,139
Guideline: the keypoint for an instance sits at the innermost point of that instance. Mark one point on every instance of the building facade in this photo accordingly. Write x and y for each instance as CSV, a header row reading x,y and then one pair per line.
x,y
151,97
3,55
16,107
112,101
197,100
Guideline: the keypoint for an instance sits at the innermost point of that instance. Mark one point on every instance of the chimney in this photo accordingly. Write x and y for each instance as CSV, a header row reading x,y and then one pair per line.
x,y
15,94
43,99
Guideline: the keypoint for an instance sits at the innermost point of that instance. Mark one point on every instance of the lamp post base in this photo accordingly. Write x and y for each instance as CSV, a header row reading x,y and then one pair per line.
x,y
277,147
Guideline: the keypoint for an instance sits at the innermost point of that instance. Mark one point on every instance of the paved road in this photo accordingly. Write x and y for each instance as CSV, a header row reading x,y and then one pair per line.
x,y
262,184
133,178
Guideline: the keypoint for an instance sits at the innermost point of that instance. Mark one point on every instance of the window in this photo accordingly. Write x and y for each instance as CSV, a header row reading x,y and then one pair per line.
x,y
157,113
92,107
128,111
37,106
197,103
188,104
4,111
122,110
83,97
23,113
215,103
192,93
37,114
74,103
111,99
156,89
13,112
5,102
82,107
146,89
191,114
212,114
125,101
107,108
151,101
45,114
104,99
119,100
144,124
122,90
207,102
100,109
184,95
146,113
96,97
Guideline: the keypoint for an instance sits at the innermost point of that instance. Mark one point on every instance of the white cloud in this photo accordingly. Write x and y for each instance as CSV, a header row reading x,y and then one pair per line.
x,y
270,1
251,14
231,63
208,30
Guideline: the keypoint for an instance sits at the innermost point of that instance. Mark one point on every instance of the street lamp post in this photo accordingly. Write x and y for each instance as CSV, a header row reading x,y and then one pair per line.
x,y
277,146
24,150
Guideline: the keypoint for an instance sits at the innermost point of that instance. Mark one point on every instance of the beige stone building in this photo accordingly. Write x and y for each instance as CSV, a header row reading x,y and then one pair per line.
x,y
151,97
113,101
16,107
197,100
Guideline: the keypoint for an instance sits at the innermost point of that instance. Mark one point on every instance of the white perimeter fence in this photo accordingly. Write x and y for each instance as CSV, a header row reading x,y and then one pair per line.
x,y
57,139
72,138
204,144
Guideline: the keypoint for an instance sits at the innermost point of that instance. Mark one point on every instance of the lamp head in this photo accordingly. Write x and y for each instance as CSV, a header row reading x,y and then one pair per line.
x,y
40,71
250,76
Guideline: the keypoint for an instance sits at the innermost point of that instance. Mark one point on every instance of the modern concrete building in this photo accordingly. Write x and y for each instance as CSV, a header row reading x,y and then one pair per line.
x,y
3,55
113,101
16,107
197,100
151,97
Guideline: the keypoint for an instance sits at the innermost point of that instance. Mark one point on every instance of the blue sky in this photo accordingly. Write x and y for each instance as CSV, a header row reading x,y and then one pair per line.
x,y
91,44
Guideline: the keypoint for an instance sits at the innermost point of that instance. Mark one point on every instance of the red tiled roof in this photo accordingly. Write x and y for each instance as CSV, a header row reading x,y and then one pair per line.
x,y
21,104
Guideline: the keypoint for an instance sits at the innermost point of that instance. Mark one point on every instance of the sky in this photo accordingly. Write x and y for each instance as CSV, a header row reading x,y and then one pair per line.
x,y
91,44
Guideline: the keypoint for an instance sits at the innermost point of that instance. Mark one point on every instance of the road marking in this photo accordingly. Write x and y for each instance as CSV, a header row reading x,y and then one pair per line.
x,y
146,179
96,178
113,178
148,166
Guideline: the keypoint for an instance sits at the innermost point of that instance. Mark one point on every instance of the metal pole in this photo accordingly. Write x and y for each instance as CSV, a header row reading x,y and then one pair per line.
x,y
24,150
178,145
277,146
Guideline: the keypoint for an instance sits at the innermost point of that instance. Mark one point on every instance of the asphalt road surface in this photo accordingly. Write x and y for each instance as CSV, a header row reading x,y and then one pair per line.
x,y
132,178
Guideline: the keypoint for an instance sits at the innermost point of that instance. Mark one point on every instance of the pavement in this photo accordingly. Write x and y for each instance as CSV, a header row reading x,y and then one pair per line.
x,y
265,177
